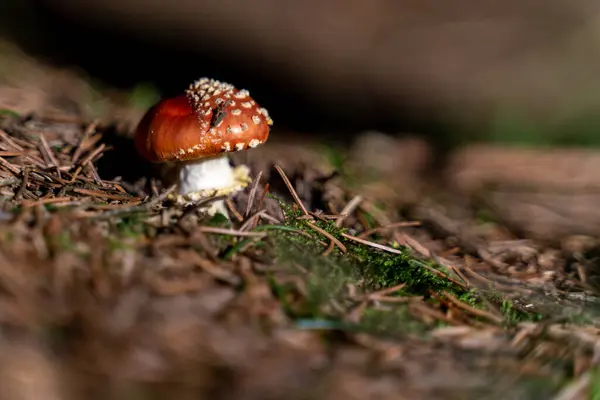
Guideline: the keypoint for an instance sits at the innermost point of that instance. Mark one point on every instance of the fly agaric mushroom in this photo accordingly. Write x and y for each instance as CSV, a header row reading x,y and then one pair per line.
x,y
196,131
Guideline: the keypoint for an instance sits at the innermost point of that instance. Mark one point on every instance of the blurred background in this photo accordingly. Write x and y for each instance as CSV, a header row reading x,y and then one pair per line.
x,y
466,70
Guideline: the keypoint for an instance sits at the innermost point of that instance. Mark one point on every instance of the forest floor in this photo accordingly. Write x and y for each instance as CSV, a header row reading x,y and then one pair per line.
x,y
341,275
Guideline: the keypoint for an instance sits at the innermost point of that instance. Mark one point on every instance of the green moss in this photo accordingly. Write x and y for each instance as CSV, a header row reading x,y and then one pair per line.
x,y
595,385
219,220
366,269
370,220
327,278
513,315
379,269
9,113
52,207
130,227
392,322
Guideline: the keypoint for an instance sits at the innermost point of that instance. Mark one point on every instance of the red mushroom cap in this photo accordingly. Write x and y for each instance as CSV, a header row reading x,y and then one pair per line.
x,y
211,118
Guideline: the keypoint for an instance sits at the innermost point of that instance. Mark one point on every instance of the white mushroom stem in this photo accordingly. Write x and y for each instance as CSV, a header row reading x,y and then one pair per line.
x,y
208,177
211,173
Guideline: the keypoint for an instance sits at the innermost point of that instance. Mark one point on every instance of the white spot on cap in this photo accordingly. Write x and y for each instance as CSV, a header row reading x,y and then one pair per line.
x,y
191,149
264,112
242,94
239,146
202,90
253,143
233,129
226,146
208,95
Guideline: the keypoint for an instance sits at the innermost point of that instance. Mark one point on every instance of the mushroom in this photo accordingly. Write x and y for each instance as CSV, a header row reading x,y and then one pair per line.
x,y
196,130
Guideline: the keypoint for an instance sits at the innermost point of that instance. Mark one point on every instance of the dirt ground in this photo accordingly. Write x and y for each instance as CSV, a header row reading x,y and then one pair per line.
x,y
343,274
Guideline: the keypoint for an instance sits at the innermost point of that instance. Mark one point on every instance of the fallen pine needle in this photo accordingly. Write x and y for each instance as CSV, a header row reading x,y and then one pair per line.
x,y
401,224
348,209
328,236
29,203
233,210
230,232
99,193
395,299
372,244
382,292
329,249
12,153
475,311
12,168
252,196
291,189
86,134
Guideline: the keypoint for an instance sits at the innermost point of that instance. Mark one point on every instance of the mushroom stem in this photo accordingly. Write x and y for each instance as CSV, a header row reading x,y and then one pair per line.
x,y
210,173
208,177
